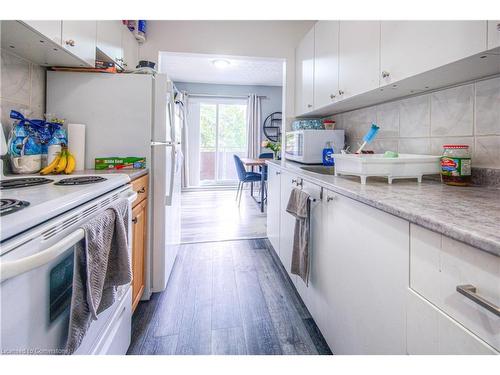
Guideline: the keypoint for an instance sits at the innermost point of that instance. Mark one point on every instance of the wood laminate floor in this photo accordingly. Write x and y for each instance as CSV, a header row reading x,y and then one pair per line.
x,y
214,216
229,297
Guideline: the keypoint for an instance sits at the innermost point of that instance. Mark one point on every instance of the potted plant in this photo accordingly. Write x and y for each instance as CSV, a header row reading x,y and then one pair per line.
x,y
275,147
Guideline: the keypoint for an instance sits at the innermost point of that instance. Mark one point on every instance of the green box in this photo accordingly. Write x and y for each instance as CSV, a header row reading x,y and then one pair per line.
x,y
113,162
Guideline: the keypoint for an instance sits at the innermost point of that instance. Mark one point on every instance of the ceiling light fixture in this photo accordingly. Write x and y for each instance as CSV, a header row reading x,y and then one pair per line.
x,y
221,63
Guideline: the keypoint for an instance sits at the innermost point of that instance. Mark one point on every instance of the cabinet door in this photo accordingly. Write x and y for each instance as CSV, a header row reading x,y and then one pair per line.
x,y
367,273
432,332
493,34
273,207
109,40
130,49
313,293
359,52
139,235
412,47
79,37
326,62
50,29
304,74
287,224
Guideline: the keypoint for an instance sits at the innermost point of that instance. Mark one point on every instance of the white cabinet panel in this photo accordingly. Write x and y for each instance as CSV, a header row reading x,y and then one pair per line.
x,y
311,294
287,224
493,34
430,331
326,62
273,207
109,39
409,48
439,264
50,29
366,267
359,57
79,38
304,74
130,49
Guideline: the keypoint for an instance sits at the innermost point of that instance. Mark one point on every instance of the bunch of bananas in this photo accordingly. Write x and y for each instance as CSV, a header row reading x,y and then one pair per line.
x,y
64,162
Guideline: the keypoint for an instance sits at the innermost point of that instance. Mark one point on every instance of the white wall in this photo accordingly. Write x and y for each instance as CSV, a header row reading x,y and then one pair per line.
x,y
276,39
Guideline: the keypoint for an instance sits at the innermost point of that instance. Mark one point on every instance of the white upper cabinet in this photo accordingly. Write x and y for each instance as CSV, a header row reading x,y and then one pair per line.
x,y
79,38
50,29
493,34
304,77
109,39
409,48
326,62
359,57
130,49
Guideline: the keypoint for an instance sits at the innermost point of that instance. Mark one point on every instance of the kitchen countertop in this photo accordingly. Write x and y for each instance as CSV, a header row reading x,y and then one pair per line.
x,y
131,173
467,214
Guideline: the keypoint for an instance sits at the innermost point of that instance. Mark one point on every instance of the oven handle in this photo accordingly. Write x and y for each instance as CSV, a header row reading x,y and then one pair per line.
x,y
19,266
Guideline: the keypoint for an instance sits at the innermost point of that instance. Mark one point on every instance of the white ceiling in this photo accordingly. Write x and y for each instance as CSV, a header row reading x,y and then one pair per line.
x,y
199,68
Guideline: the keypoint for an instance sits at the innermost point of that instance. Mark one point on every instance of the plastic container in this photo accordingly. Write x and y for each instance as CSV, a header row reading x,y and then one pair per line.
x,y
456,165
371,165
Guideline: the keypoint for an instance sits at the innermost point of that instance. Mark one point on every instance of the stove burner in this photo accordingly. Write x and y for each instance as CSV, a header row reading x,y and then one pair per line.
x,y
9,206
84,180
23,182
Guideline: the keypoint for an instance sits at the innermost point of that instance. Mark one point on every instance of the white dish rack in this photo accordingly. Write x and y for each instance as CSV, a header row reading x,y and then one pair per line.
x,y
376,165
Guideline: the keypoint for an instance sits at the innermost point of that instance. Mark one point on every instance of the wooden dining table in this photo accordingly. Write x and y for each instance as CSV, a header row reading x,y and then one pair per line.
x,y
252,163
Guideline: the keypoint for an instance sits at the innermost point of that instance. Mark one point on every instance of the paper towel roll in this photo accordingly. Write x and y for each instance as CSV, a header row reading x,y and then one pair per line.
x,y
76,144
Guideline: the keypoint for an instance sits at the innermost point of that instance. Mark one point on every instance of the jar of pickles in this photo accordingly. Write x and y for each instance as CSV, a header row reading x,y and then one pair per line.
x,y
456,165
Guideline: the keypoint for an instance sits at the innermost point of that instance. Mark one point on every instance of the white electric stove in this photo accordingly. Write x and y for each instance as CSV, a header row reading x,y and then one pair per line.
x,y
27,201
41,220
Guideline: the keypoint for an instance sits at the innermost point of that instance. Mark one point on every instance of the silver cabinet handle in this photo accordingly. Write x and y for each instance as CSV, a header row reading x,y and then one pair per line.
x,y
297,181
309,105
341,92
134,220
142,190
332,96
330,198
470,292
70,42
278,173
385,74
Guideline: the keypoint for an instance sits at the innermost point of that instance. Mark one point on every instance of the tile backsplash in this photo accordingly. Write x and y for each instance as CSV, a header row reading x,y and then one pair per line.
x,y
22,87
467,114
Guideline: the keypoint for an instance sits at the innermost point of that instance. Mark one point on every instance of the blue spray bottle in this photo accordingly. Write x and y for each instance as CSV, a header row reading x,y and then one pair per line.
x,y
328,155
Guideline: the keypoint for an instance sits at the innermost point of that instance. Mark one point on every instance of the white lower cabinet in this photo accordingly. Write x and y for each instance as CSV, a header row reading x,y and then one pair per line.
x,y
438,265
273,207
430,331
380,285
287,222
365,272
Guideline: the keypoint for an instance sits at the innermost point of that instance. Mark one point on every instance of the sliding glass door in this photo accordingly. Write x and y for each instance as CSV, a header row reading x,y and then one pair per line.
x,y
222,133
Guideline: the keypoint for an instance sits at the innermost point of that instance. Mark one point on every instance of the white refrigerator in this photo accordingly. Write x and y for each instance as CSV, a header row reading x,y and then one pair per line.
x,y
132,115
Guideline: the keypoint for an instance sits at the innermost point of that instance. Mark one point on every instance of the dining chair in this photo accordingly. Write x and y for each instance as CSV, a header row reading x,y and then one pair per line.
x,y
244,177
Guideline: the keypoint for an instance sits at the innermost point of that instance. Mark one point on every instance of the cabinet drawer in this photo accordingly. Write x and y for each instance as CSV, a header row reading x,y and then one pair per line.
x,y
438,265
430,331
140,186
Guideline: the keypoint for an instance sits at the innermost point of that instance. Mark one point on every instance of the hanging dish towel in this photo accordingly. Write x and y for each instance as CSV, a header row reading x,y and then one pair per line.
x,y
102,264
299,205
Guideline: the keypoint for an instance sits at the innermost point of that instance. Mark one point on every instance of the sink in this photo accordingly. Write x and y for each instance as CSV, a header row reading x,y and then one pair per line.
x,y
321,169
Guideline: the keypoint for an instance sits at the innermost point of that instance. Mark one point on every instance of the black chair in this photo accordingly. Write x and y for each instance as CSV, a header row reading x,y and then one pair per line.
x,y
244,177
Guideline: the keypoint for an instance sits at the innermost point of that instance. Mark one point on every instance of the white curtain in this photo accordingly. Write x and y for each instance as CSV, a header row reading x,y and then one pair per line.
x,y
253,126
185,143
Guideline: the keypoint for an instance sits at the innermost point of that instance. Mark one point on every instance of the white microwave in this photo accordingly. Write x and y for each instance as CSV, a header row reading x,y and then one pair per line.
x,y
306,146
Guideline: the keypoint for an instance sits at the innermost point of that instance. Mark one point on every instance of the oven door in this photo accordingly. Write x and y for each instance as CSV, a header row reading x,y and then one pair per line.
x,y
36,289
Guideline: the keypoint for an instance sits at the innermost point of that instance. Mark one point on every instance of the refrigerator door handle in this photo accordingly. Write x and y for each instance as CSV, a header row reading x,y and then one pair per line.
x,y
170,189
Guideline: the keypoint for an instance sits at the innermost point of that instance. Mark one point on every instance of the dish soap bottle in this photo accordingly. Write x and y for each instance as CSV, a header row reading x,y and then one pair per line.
x,y
328,155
